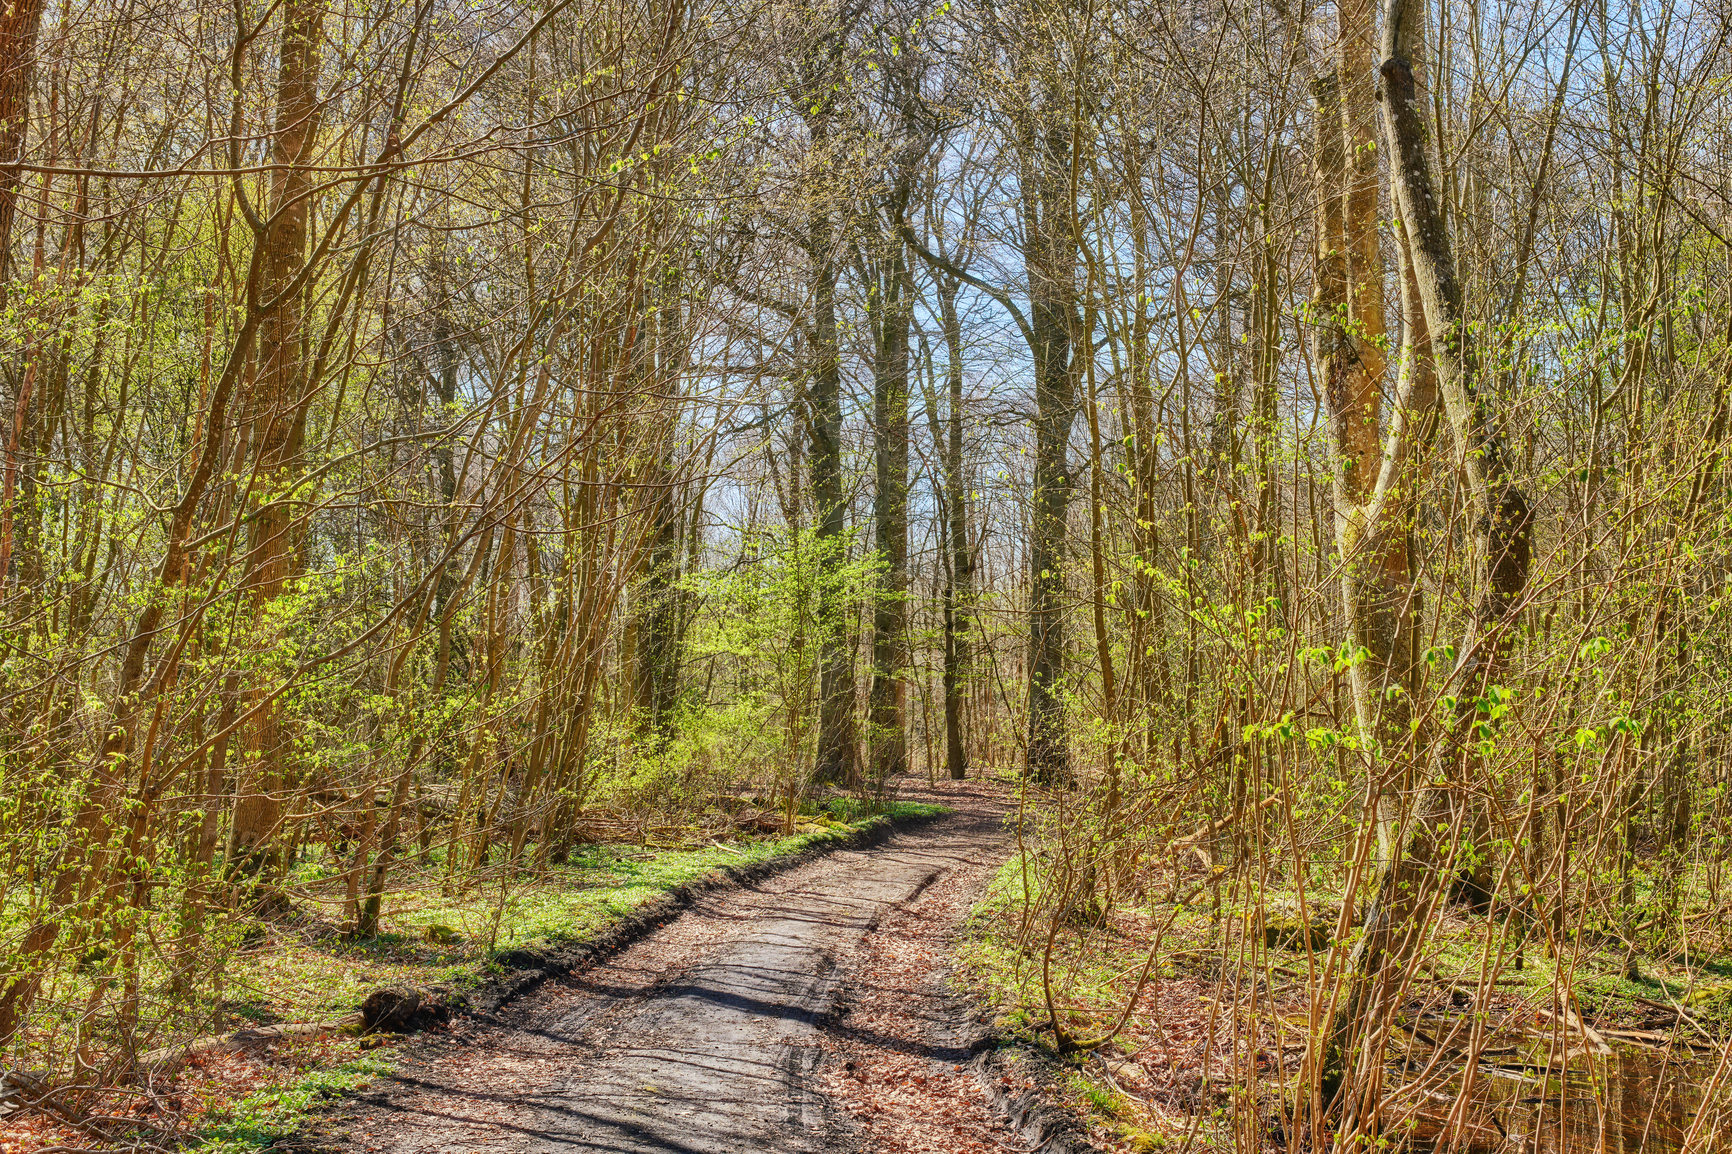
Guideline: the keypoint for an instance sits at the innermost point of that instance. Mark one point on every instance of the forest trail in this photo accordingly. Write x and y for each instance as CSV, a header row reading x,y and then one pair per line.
x,y
805,1013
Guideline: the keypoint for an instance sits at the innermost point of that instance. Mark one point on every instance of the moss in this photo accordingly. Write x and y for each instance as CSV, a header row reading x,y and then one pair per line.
x,y
1140,1140
1104,1102
1712,1004
1289,933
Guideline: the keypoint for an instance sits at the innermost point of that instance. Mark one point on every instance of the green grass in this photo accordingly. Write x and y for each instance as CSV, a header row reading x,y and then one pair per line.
x,y
261,1118
853,809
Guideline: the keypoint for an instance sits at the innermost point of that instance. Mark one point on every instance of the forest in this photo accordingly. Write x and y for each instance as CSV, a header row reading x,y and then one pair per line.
x,y
1274,448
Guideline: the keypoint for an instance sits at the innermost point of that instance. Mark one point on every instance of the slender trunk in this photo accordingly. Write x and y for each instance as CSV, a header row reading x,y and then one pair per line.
x,y
959,586
1361,383
1374,499
1266,356
1222,464
658,650
278,410
200,889
1147,674
656,669
367,919
1500,521
1098,599
1500,512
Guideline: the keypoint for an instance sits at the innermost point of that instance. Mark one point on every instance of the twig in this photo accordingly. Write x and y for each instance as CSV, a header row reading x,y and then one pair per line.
x,y
121,1120
1571,1021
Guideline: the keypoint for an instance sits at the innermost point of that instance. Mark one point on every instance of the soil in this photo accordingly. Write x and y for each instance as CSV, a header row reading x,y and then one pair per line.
x,y
808,1012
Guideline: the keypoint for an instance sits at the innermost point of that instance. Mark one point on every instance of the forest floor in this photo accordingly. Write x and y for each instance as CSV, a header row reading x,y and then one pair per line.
x,y
1207,1050
808,1012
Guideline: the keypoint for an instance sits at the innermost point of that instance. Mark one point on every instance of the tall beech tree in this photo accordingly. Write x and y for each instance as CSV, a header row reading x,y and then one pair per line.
x,y
818,88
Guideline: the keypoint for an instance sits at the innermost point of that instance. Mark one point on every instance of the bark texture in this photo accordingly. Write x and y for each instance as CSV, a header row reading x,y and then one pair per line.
x,y
19,22
279,404
836,754
959,571
891,309
1050,256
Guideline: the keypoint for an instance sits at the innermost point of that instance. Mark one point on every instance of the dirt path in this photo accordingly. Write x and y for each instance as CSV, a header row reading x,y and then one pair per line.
x,y
803,1014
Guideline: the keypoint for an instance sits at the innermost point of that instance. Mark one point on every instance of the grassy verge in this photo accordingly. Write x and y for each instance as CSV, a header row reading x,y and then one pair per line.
x,y
299,968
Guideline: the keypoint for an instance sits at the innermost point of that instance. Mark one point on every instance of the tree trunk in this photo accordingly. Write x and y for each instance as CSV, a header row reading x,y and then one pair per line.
x,y
1222,465
890,305
1501,515
1374,496
279,408
1361,384
656,682
1500,521
959,573
1049,254
1147,672
836,755
658,655
19,22
1266,356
